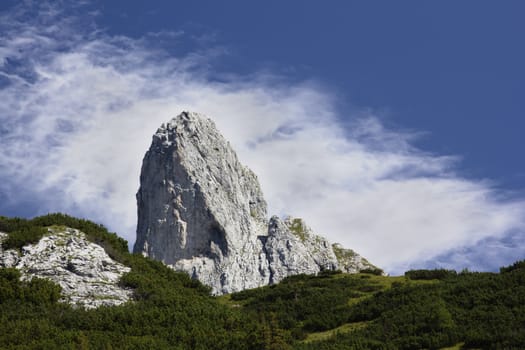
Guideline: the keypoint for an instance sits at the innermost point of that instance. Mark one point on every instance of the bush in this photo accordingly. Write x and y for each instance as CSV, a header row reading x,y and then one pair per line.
x,y
372,271
328,273
115,246
437,274
22,232
517,265
23,236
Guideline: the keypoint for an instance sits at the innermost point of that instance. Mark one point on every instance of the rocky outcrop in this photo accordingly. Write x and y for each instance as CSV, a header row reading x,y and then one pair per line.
x,y
318,247
293,248
351,262
288,254
201,211
8,258
87,275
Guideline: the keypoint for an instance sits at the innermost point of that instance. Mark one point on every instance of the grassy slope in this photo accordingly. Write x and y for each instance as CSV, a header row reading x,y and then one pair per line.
x,y
170,311
338,311
424,309
384,281
306,298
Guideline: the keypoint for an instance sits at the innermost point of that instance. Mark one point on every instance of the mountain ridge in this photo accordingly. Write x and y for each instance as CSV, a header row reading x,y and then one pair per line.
x,y
201,211
431,309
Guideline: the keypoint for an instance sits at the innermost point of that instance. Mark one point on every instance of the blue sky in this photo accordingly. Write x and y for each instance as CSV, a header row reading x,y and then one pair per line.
x,y
392,127
453,69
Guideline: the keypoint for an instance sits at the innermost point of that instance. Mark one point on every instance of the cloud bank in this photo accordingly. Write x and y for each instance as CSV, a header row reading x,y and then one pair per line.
x,y
79,107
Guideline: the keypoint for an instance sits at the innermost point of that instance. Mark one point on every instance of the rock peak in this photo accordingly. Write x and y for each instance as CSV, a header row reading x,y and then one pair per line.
x,y
201,211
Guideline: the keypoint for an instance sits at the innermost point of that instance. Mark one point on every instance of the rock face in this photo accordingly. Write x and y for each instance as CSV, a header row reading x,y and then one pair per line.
x,y
201,211
87,275
350,261
291,248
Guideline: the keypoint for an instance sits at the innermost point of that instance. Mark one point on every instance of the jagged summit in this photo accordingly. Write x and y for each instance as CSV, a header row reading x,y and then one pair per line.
x,y
201,211
193,185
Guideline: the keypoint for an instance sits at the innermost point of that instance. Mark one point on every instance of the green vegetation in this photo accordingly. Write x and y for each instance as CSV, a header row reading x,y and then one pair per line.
x,y
116,247
36,292
298,229
347,256
438,274
20,232
343,254
373,271
170,310
516,266
425,309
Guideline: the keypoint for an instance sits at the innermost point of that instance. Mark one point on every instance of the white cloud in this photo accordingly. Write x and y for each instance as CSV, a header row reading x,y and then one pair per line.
x,y
80,108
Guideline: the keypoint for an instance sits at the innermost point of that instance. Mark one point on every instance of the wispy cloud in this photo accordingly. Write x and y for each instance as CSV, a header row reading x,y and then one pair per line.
x,y
79,108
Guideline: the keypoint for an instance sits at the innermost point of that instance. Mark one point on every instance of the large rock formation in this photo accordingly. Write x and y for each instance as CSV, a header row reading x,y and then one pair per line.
x,y
87,275
201,211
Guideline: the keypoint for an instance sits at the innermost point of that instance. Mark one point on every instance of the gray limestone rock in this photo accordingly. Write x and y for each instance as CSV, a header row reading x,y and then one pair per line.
x,y
317,246
87,275
350,261
201,211
286,252
8,258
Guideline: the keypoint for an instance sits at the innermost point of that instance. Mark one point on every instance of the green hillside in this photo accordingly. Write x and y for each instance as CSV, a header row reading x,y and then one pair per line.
x,y
421,310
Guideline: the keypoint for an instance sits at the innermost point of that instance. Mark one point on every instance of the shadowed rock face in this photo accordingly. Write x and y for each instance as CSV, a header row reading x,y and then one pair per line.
x,y
201,211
